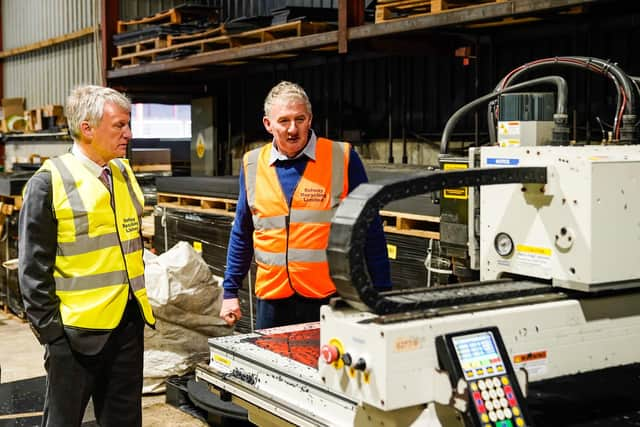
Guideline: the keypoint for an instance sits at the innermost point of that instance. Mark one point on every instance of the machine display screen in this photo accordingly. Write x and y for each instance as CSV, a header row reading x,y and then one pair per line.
x,y
478,355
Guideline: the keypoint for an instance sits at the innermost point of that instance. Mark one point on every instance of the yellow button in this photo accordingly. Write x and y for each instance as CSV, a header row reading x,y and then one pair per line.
x,y
484,418
500,368
519,422
505,380
515,410
474,386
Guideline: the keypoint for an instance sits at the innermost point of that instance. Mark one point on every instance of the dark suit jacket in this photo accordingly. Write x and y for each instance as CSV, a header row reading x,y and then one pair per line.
x,y
37,246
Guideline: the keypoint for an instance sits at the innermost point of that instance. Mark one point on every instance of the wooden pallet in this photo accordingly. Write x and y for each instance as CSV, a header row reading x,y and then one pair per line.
x,y
157,167
391,11
281,31
173,40
226,41
141,46
203,204
201,46
176,15
411,224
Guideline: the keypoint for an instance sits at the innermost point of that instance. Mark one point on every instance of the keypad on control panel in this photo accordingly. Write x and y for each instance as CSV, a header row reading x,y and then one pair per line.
x,y
496,403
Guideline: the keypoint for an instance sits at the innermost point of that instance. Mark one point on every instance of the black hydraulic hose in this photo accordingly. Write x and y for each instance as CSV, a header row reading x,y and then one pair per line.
x,y
507,80
561,103
636,83
620,79
621,76
491,124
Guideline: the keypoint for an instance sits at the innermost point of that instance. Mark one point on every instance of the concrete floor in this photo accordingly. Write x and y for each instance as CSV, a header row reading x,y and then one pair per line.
x,y
21,357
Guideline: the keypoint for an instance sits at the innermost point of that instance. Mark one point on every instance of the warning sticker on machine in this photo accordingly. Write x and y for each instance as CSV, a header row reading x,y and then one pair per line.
x,y
534,256
455,193
534,362
221,363
509,134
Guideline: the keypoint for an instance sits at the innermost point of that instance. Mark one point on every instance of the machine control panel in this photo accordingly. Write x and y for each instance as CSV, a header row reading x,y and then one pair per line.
x,y
479,358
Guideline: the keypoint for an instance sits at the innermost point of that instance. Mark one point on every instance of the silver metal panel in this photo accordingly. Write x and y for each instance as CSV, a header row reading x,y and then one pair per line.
x,y
30,21
45,76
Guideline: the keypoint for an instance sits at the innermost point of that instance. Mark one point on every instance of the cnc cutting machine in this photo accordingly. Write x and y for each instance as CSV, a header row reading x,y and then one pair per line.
x,y
554,232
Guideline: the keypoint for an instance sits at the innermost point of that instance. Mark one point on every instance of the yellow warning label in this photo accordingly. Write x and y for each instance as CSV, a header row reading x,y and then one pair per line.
x,y
220,359
455,193
529,357
197,246
392,251
534,250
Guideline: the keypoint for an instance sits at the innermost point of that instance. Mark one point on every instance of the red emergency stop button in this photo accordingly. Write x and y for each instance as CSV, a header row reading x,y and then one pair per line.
x,y
329,353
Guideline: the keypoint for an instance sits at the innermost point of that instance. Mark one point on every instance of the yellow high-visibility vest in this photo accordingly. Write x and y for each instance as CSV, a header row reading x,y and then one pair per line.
x,y
99,254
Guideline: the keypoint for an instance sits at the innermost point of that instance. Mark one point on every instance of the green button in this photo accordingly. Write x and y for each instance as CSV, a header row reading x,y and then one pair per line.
x,y
505,423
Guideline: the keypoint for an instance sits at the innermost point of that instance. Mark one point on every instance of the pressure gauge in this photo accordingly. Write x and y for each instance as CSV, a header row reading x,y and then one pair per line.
x,y
503,244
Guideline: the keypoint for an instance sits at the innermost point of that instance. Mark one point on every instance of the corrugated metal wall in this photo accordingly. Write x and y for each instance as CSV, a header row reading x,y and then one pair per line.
x,y
47,75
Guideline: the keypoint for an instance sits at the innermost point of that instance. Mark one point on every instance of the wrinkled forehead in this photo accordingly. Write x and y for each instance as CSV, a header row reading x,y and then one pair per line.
x,y
290,106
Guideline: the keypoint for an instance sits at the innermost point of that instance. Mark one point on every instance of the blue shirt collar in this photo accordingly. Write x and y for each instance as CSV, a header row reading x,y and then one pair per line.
x,y
309,150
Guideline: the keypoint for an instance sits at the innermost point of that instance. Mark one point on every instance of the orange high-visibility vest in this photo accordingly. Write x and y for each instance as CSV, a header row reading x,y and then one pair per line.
x,y
290,242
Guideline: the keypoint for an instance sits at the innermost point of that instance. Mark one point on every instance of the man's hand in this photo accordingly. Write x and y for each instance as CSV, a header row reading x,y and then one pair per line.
x,y
230,311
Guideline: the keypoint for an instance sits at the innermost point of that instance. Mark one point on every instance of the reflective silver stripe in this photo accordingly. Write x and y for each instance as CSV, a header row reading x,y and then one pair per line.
x,y
95,281
251,172
308,255
132,194
337,173
84,244
311,216
132,245
137,283
270,258
80,218
269,223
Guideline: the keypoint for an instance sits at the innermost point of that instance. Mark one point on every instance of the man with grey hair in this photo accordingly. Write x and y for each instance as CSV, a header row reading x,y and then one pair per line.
x,y
289,191
80,266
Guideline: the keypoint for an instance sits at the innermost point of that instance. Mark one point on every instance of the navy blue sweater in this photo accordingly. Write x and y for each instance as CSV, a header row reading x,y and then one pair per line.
x,y
289,171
